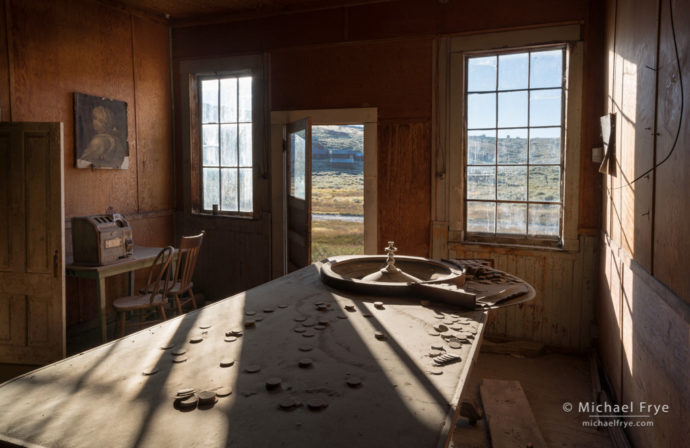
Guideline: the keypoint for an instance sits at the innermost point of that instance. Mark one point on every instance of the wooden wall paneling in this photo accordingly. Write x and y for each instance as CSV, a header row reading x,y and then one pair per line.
x,y
672,214
153,115
404,185
58,60
394,76
636,46
4,63
654,363
608,319
561,315
220,271
590,199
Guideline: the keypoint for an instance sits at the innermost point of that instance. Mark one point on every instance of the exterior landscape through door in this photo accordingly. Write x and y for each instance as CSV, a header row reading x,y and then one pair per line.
x,y
32,285
298,192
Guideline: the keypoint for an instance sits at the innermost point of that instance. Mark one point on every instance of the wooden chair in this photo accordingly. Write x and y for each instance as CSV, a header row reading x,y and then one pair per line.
x,y
184,270
157,287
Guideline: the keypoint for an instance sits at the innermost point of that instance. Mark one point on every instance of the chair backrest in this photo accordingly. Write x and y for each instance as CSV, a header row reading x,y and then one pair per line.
x,y
158,279
186,259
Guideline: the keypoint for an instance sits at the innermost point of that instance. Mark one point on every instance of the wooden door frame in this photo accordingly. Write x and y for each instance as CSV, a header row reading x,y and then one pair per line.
x,y
324,117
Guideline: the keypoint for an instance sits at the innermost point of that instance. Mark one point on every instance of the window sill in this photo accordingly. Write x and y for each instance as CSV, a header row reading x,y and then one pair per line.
x,y
562,246
250,217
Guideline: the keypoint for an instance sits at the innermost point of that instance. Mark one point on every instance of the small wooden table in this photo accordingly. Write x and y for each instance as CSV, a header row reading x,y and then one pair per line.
x,y
142,257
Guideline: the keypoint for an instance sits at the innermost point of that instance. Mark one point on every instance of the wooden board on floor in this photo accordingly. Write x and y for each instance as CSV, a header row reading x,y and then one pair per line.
x,y
510,418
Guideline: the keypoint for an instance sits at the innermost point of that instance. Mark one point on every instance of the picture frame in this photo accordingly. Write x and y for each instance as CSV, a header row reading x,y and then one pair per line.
x,y
100,132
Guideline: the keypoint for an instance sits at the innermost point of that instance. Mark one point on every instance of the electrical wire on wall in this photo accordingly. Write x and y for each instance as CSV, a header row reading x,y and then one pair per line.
x,y
680,119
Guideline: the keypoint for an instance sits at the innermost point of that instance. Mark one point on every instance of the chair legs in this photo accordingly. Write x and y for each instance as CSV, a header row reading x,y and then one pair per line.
x,y
179,302
123,317
142,319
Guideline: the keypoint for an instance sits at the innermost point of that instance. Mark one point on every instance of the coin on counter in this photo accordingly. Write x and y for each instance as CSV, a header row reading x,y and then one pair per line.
x,y
224,391
252,368
227,362
305,363
206,397
273,383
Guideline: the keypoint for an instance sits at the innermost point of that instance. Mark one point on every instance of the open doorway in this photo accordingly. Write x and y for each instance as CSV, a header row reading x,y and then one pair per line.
x,y
338,213
337,190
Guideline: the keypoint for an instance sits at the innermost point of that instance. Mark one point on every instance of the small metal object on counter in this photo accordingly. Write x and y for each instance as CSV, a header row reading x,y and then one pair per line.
x,y
380,336
305,348
252,368
446,358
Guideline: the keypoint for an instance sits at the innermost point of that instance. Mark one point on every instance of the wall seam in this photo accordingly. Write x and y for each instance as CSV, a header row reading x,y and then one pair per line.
x,y
134,101
655,135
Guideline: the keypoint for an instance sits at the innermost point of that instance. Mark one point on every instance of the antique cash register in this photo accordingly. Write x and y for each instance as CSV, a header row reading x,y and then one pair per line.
x,y
101,239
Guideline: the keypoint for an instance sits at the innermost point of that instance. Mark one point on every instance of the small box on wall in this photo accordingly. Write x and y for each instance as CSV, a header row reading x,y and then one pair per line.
x,y
100,132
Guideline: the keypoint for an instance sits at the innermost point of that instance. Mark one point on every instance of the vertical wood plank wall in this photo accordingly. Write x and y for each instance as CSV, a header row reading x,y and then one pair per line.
x,y
643,310
562,314
50,49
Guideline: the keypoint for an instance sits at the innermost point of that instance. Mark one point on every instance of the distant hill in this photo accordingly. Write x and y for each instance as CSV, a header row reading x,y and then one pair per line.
x,y
513,150
338,137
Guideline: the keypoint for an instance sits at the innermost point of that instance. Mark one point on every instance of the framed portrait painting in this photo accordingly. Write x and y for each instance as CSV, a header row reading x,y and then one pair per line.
x,y
100,132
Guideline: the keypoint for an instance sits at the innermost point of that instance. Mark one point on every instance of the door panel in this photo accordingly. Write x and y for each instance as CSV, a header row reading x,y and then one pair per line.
x,y
32,297
298,188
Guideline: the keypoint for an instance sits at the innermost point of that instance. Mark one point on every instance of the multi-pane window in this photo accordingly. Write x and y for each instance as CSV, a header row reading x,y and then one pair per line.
x,y
226,144
514,109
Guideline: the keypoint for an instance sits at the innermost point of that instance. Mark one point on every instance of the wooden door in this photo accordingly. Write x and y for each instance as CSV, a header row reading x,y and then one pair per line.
x,y
32,286
298,192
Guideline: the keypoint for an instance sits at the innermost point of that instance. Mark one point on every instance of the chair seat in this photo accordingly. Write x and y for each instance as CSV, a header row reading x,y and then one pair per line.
x,y
137,302
177,288
174,289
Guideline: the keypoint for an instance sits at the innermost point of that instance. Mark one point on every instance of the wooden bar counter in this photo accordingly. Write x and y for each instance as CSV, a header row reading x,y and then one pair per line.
x,y
312,367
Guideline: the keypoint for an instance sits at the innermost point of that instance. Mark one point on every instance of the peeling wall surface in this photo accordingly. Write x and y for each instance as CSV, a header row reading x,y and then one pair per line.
x,y
53,48
643,310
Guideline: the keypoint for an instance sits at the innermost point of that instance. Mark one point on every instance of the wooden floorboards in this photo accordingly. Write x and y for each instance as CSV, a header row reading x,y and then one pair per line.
x,y
548,381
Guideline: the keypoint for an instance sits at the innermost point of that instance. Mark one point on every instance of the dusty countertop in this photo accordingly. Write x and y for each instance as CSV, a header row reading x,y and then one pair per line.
x,y
370,368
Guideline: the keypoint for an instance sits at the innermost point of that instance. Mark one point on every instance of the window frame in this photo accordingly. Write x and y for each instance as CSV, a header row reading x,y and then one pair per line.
x,y
449,169
507,238
197,124
188,144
